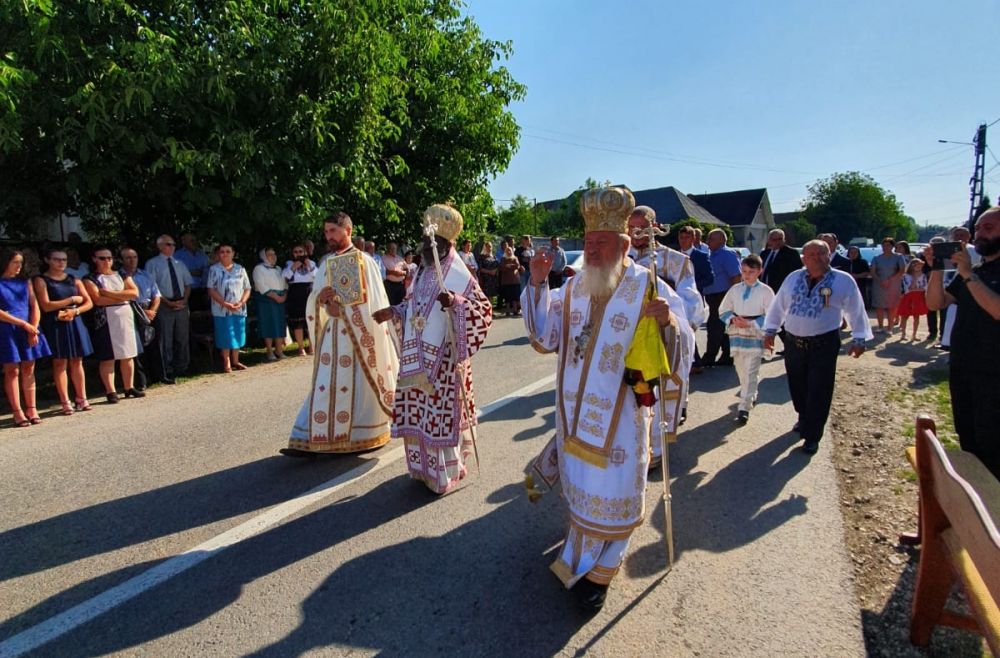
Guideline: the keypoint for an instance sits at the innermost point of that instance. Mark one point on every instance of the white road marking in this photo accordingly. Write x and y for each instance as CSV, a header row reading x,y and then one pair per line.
x,y
52,628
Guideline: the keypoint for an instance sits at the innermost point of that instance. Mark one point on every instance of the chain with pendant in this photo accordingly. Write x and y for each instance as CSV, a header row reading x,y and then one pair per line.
x,y
582,341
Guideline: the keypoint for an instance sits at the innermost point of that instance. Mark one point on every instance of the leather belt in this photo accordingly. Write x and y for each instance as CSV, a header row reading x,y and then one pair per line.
x,y
806,343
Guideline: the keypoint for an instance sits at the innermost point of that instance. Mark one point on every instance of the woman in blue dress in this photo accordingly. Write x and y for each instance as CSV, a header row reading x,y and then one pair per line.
x,y
229,288
63,299
270,293
21,341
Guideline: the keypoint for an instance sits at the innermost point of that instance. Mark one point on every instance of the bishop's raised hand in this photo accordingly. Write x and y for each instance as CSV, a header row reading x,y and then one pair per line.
x,y
540,265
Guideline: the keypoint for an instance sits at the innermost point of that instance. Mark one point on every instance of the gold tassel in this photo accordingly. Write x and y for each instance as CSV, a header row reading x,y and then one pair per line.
x,y
534,493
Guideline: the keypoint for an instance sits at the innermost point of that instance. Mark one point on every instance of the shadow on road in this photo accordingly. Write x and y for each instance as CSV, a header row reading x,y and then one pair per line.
x,y
523,340
708,516
483,584
175,508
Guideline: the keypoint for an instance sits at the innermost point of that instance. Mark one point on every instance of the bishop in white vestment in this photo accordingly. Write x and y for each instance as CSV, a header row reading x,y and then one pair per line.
x,y
435,410
600,451
355,362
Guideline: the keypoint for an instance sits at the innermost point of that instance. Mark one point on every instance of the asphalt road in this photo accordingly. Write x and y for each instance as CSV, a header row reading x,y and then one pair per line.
x,y
373,564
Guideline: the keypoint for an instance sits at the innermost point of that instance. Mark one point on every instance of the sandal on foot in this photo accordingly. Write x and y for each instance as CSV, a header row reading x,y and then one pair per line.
x,y
67,408
23,421
33,418
82,404
239,366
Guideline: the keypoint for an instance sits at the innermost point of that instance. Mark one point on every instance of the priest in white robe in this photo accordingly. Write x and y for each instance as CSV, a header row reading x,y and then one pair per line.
x,y
355,362
435,410
600,452
677,270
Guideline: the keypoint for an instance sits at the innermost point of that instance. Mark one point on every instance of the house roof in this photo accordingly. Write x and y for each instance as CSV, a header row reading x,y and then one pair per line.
x,y
736,208
672,205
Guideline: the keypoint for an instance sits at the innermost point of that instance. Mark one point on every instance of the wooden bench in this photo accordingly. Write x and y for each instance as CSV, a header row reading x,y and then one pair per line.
x,y
959,515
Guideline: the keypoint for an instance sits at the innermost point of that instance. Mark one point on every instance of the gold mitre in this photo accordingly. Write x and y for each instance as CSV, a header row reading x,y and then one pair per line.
x,y
449,221
607,209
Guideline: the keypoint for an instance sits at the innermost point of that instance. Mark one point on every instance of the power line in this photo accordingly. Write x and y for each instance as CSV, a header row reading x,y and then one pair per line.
x,y
693,159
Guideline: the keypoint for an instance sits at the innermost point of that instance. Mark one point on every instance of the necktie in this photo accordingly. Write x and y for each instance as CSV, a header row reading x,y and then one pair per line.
x,y
770,257
174,283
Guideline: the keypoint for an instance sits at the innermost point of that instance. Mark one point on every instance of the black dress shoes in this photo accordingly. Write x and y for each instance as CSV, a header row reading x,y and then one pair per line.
x,y
134,393
743,417
112,397
725,361
590,596
810,447
168,380
795,427
295,452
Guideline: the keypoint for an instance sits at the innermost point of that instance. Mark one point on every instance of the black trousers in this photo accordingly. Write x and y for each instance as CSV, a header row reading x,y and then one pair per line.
x,y
717,338
395,290
811,366
975,407
932,324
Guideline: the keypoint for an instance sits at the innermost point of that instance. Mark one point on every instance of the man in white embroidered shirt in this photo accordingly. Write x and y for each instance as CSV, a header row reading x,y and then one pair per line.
x,y
812,303
600,451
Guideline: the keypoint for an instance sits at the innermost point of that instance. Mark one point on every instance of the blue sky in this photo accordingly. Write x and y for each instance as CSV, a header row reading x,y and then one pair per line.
x,y
712,96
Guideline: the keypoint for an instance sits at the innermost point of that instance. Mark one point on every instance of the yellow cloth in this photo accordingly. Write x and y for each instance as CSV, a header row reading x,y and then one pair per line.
x,y
647,353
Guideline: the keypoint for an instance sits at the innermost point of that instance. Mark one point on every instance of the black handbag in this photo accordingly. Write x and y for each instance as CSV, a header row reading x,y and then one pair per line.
x,y
140,314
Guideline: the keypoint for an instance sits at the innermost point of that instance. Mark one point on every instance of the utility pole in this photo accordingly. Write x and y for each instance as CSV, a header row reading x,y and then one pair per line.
x,y
976,182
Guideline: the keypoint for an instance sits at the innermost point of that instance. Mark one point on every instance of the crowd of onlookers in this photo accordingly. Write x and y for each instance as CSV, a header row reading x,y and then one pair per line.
x,y
144,319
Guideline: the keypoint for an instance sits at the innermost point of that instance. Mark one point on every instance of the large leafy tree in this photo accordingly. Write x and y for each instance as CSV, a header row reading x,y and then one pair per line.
x,y
519,218
566,220
247,119
852,204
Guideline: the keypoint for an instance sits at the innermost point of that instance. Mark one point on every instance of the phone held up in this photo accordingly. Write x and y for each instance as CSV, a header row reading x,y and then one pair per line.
x,y
944,251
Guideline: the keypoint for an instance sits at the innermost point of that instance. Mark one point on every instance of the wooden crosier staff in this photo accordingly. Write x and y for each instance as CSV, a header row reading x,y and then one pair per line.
x,y
430,230
652,232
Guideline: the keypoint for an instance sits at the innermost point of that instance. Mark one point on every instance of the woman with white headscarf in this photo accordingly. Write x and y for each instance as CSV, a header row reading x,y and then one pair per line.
x,y
270,293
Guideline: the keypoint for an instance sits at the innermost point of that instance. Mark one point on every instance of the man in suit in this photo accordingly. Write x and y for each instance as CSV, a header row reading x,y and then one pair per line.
x,y
703,274
837,260
779,259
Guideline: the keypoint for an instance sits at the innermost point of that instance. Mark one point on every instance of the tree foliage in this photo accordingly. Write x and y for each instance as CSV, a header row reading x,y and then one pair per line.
x,y
799,231
520,218
852,204
566,220
247,119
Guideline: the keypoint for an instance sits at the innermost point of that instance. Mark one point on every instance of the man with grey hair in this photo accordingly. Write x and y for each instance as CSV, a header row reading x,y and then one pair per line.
x,y
174,319
779,259
812,304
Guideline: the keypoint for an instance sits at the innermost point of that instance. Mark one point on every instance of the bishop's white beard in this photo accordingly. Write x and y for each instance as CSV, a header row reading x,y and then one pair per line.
x,y
600,282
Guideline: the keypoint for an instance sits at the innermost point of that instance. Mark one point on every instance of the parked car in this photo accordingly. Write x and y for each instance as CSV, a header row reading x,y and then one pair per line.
x,y
574,262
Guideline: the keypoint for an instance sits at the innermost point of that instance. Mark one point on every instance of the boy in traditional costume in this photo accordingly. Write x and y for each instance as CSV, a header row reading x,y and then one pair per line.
x,y
742,312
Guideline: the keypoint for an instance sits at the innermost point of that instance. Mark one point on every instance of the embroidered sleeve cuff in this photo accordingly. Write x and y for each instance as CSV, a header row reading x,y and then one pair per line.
x,y
771,332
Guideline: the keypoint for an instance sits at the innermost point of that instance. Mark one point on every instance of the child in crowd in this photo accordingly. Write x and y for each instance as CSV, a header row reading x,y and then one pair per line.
x,y
742,312
914,303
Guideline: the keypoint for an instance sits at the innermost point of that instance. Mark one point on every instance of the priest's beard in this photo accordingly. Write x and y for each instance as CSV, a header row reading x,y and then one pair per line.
x,y
600,282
